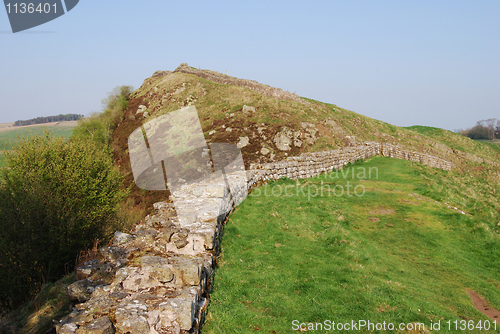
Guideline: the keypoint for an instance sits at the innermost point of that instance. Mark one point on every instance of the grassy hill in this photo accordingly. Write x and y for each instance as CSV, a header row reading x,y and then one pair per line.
x,y
322,126
408,250
230,112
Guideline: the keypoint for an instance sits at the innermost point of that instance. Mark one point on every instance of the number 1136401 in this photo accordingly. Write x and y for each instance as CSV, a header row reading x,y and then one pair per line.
x,y
466,325
22,8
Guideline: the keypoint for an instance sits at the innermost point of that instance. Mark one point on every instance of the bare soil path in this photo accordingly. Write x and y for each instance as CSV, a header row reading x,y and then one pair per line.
x,y
482,306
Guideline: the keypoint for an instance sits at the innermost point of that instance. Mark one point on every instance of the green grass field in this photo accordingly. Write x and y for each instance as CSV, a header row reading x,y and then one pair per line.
x,y
8,138
403,252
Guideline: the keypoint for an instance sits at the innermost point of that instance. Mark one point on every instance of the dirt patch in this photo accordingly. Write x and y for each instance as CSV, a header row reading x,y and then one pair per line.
x,y
382,211
373,219
325,132
482,306
142,199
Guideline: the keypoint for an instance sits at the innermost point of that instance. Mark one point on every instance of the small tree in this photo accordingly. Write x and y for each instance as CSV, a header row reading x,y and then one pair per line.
x,y
98,126
93,128
57,196
118,97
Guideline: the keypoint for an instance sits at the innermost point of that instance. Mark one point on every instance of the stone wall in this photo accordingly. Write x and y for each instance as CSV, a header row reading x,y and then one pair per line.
x,y
158,278
312,164
277,93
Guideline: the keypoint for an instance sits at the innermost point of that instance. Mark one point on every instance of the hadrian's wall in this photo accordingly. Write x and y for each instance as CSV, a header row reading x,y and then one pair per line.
x,y
312,164
158,278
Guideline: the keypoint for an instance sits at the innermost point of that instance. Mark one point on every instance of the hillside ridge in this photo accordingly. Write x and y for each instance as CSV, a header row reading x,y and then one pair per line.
x,y
269,129
225,79
270,124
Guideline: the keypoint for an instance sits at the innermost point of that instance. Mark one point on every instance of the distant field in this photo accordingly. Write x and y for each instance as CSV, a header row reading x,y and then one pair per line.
x,y
9,134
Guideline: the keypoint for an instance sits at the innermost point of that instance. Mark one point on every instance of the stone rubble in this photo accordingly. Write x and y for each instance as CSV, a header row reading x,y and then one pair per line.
x,y
158,278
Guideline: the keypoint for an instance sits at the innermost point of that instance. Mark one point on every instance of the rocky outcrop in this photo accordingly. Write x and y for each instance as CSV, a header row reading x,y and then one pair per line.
x,y
288,137
283,139
244,141
248,109
214,76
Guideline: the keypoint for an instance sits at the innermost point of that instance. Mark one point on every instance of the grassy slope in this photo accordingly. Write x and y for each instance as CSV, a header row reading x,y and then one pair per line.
x,y
36,316
495,144
221,105
457,141
362,277
343,258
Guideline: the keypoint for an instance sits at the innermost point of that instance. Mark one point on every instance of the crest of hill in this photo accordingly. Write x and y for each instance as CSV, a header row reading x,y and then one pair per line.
x,y
270,125
214,76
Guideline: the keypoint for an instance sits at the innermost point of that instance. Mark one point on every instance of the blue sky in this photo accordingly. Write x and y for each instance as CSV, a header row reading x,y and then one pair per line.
x,y
433,63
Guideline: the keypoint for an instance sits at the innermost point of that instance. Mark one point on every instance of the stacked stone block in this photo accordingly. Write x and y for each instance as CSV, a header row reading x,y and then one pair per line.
x,y
312,164
158,278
